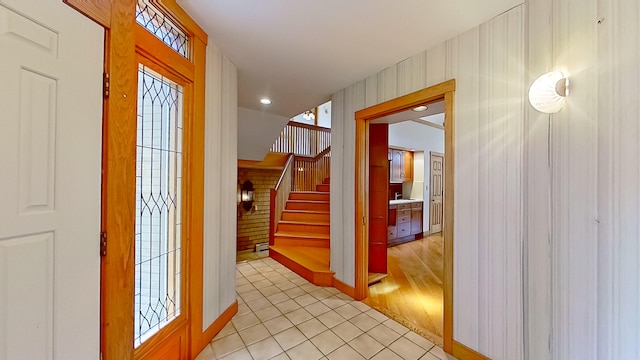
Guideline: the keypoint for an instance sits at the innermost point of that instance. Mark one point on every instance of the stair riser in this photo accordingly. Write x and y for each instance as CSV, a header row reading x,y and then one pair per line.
x,y
315,196
323,188
289,241
307,206
309,217
304,228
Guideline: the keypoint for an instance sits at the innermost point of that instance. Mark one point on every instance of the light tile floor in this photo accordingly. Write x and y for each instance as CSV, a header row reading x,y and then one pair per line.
x,y
283,316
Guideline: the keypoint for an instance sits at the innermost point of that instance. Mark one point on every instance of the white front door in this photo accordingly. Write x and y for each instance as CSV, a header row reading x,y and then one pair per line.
x,y
51,60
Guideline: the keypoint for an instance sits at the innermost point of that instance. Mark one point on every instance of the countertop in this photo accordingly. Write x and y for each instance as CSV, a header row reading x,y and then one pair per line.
x,y
404,201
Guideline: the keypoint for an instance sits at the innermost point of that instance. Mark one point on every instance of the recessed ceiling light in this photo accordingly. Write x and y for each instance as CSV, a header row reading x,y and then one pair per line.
x,y
265,101
420,108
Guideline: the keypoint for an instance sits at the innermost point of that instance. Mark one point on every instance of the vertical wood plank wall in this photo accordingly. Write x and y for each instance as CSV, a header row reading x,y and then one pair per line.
x,y
547,207
220,186
488,65
617,118
573,184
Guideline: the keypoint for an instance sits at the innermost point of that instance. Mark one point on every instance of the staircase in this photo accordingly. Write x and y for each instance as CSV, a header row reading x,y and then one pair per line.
x,y
301,239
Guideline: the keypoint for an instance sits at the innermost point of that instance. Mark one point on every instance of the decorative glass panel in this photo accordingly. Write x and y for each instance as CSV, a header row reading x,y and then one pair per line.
x,y
158,204
159,25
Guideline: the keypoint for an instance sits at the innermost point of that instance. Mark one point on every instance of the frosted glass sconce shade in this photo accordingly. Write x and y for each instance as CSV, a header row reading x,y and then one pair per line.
x,y
547,94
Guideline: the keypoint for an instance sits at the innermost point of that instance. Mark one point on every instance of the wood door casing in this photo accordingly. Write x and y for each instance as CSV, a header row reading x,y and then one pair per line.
x,y
436,191
443,91
378,203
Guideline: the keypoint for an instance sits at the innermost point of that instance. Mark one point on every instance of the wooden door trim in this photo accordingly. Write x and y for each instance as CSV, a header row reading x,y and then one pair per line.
x,y
119,113
444,91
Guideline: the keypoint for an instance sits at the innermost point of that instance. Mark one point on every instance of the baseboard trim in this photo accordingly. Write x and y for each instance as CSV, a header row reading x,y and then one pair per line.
x,y
217,325
462,352
349,290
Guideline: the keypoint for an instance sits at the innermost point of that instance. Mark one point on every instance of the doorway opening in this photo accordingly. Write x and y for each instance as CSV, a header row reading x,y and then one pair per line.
x,y
406,272
371,206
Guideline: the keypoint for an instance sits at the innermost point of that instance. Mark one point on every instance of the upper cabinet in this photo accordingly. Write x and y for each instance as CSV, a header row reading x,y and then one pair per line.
x,y
408,166
400,165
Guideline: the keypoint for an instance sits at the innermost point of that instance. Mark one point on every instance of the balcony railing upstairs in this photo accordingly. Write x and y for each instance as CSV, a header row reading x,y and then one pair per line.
x,y
302,139
311,146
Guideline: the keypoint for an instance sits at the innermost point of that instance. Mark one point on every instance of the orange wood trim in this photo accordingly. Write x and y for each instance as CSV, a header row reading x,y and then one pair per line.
x,y
462,352
362,209
96,10
166,341
443,91
349,290
196,244
153,48
217,325
447,287
424,96
308,126
119,168
284,171
313,158
272,216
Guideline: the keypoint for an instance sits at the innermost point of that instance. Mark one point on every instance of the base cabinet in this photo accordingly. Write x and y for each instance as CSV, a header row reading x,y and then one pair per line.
x,y
405,223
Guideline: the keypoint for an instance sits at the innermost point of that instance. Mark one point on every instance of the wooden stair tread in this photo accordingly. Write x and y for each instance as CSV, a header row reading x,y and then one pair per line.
x,y
306,235
309,201
307,211
321,223
313,258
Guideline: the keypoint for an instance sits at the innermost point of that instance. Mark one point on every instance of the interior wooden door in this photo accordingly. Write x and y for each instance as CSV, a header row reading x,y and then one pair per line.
x,y
378,197
436,191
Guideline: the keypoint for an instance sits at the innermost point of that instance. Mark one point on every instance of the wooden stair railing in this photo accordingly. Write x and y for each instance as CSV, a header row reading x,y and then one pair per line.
x,y
302,139
279,196
311,171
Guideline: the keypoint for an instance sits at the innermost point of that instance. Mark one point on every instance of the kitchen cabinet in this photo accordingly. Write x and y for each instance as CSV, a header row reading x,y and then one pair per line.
x,y
400,166
407,165
405,221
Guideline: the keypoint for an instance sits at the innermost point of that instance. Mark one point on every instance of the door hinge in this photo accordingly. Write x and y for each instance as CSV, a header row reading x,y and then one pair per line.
x,y
105,81
103,244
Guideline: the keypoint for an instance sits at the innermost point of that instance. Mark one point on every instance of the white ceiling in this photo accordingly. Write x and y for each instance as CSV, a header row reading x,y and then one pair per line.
x,y
299,52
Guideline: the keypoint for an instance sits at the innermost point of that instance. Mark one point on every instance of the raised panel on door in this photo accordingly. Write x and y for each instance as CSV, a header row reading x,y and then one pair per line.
x,y
378,197
51,106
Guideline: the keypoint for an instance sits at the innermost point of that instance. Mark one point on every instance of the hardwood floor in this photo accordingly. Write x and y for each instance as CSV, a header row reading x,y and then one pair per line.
x,y
412,292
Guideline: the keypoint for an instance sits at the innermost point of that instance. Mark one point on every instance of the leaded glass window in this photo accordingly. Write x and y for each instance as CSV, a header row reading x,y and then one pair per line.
x,y
152,19
158,228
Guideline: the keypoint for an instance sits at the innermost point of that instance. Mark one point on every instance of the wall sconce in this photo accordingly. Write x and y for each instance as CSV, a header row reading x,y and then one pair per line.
x,y
246,195
547,94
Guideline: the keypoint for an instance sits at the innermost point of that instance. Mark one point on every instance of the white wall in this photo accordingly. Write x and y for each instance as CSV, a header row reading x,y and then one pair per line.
x,y
257,131
617,185
487,63
420,137
546,235
221,162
